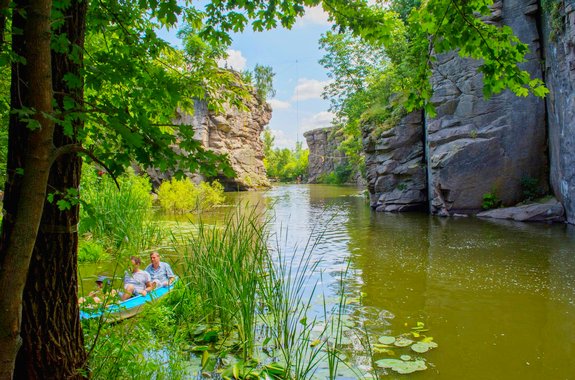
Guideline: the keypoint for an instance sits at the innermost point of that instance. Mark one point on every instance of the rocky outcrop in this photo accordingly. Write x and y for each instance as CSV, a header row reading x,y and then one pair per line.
x,y
478,146
550,212
395,163
234,132
324,155
560,79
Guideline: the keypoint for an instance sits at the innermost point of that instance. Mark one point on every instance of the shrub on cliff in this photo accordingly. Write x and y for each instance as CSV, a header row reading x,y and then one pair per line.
x,y
180,196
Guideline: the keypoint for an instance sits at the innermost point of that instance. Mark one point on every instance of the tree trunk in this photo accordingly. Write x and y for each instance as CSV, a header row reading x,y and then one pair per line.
x,y
29,157
53,345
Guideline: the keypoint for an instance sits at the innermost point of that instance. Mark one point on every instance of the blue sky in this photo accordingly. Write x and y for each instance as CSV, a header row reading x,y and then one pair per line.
x,y
299,80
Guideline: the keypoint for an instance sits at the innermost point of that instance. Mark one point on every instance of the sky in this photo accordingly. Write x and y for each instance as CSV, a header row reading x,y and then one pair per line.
x,y
299,78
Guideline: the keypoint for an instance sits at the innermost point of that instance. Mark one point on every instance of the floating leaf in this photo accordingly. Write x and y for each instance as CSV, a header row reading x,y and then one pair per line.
x,y
403,341
386,339
421,347
405,357
400,366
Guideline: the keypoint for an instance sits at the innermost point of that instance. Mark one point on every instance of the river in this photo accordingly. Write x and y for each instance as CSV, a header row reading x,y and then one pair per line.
x,y
498,297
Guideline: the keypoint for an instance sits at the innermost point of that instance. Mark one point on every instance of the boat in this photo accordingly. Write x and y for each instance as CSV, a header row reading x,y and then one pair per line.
x,y
126,309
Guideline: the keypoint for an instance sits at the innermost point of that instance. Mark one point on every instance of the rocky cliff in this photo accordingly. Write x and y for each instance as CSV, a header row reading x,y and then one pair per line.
x,y
559,32
478,146
236,133
475,146
396,169
324,155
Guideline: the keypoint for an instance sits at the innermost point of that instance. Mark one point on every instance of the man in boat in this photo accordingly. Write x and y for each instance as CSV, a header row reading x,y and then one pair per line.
x,y
138,282
161,272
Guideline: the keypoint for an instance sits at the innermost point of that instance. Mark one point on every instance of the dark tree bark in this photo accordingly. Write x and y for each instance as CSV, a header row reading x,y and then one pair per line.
x,y
29,158
53,346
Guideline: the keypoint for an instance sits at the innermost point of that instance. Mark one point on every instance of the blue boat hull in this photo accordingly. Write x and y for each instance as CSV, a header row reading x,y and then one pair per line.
x,y
128,308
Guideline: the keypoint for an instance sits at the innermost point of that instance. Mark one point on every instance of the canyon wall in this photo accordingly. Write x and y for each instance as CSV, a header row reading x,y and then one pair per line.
x,y
559,32
324,155
476,146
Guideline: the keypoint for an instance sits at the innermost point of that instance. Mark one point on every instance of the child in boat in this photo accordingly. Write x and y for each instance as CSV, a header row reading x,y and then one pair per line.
x,y
103,291
138,282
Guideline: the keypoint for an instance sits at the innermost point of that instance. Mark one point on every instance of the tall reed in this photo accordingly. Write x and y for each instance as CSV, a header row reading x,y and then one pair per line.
x,y
224,266
119,218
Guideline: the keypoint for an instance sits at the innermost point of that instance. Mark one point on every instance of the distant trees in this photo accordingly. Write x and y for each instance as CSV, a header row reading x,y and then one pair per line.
x,y
284,165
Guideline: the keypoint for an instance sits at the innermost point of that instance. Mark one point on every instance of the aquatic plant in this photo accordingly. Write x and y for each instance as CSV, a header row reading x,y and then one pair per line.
x,y
182,195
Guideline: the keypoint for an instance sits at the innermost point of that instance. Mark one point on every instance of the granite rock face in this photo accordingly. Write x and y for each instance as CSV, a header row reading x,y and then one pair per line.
x,y
560,80
324,155
235,132
396,170
477,146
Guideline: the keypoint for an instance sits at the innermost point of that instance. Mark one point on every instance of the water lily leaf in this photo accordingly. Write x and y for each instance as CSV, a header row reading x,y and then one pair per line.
x,y
382,350
402,367
403,341
421,347
405,357
427,339
386,339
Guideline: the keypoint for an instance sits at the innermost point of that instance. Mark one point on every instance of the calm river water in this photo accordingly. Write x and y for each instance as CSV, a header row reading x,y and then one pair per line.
x,y
498,297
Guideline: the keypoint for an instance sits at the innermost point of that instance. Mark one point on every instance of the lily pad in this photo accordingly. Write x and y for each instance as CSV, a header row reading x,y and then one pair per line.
x,y
403,341
405,357
421,347
386,339
402,367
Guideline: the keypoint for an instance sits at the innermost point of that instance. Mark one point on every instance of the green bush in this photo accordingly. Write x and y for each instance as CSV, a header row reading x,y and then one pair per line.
x,y
490,201
185,196
91,252
341,174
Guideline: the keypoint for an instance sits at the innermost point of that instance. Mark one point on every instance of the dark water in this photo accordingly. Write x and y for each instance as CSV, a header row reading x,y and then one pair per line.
x,y
498,297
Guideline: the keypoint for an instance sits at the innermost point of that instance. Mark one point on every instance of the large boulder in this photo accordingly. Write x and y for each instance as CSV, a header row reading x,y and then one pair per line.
x,y
559,34
396,170
478,146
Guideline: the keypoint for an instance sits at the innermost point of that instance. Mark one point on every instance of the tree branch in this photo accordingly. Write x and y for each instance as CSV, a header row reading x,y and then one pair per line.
x,y
77,148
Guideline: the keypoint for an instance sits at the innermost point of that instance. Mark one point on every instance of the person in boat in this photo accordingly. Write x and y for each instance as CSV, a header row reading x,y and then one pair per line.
x,y
103,290
160,272
138,282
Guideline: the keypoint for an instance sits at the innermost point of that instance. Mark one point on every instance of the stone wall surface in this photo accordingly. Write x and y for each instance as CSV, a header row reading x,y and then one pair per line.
x,y
324,155
235,132
477,146
560,79
396,170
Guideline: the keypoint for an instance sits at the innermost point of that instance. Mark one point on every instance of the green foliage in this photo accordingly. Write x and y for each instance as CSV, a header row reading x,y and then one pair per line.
x,y
530,188
490,200
91,252
119,218
262,79
554,9
185,196
341,174
284,165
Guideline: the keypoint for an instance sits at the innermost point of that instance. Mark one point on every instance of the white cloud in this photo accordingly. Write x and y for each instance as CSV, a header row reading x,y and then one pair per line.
x,y
309,89
313,16
281,140
279,104
235,60
319,120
